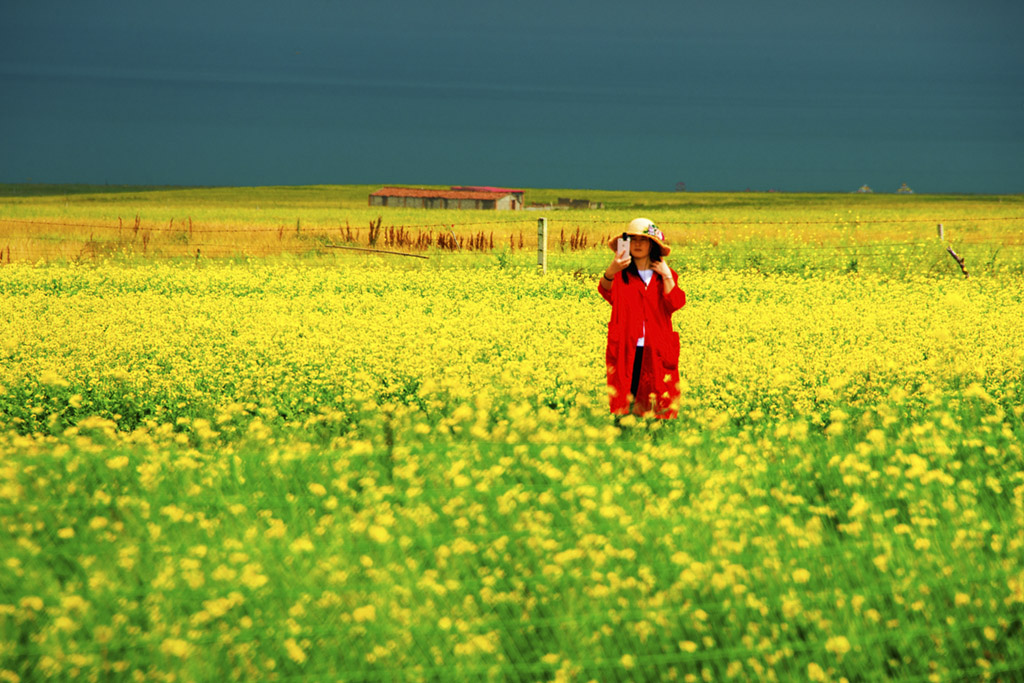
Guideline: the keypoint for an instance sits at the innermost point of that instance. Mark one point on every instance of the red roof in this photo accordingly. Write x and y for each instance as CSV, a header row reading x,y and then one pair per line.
x,y
442,194
488,188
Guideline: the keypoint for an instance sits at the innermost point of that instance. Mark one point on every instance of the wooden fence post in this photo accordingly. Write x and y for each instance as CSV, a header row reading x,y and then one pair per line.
x,y
542,245
949,249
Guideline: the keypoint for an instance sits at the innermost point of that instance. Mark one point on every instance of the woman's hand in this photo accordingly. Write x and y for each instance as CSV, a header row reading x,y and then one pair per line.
x,y
619,263
662,269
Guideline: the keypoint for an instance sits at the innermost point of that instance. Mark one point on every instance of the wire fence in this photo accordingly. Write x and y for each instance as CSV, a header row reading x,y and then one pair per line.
x,y
44,240
187,225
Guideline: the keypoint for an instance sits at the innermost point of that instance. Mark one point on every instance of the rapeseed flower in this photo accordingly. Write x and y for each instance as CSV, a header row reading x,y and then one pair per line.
x,y
287,462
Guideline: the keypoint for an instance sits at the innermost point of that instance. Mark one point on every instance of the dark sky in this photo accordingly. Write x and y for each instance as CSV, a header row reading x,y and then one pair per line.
x,y
724,95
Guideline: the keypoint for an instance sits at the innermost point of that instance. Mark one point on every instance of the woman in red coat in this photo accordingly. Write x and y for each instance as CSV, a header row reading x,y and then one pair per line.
x,y
642,357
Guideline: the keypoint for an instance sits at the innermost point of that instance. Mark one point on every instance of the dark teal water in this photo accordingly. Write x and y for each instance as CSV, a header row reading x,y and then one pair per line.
x,y
731,129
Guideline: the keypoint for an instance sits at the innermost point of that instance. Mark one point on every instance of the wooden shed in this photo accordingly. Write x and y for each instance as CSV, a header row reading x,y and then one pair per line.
x,y
494,198
516,196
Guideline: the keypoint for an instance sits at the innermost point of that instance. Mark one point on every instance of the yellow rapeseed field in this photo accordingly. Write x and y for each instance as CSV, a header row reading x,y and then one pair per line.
x,y
293,470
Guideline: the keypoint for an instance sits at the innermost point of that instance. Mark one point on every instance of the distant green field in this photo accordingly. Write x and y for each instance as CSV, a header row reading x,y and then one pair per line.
x,y
771,232
324,197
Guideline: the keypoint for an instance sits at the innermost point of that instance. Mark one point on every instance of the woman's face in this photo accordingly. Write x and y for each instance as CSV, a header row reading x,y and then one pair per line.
x,y
639,246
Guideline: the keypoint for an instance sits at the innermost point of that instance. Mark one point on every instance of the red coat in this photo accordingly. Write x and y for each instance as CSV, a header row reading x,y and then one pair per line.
x,y
634,307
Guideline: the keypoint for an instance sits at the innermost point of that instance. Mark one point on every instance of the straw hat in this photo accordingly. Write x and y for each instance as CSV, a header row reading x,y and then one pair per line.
x,y
643,227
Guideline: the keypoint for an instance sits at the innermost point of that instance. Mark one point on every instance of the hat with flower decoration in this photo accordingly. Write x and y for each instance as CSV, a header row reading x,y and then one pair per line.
x,y
646,228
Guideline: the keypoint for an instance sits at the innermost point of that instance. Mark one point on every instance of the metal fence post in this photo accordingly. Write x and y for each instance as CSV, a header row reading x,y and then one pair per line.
x,y
542,245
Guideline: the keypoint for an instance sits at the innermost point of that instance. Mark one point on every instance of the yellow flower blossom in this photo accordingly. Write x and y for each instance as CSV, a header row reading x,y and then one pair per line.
x,y
295,652
364,613
838,645
176,647
252,576
302,545
118,462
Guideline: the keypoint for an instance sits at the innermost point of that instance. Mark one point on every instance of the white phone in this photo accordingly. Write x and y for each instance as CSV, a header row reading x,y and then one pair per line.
x,y
623,246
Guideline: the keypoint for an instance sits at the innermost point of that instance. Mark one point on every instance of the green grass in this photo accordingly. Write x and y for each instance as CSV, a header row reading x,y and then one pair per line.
x,y
356,196
794,233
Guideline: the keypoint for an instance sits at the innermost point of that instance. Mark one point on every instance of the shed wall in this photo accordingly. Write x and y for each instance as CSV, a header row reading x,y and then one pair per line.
x,y
504,202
